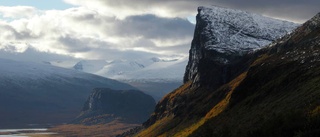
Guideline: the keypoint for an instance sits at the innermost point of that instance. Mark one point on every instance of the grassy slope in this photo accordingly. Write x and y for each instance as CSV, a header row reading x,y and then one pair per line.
x,y
274,100
209,104
278,96
284,90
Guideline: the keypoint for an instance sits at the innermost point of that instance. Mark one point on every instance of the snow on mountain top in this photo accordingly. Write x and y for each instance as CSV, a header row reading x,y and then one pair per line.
x,y
20,72
31,70
158,71
154,69
91,66
230,30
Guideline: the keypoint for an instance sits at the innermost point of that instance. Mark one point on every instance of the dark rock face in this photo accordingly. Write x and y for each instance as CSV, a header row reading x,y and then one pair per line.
x,y
105,105
222,37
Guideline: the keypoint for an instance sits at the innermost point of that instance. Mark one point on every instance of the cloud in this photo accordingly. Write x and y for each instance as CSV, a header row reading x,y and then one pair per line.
x,y
124,8
153,27
33,55
294,10
84,33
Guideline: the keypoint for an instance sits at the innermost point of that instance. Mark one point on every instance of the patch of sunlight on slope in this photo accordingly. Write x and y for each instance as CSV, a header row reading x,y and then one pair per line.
x,y
216,110
166,122
178,91
153,130
316,111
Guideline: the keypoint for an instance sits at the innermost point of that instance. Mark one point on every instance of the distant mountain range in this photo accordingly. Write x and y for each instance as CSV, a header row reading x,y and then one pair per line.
x,y
155,76
39,94
149,70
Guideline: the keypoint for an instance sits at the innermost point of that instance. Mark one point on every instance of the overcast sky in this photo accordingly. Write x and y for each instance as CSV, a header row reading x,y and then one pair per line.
x,y
113,29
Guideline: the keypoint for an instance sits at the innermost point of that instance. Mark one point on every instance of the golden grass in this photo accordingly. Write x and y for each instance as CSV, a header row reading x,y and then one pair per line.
x,y
182,131
106,130
178,91
186,131
153,130
315,111
216,110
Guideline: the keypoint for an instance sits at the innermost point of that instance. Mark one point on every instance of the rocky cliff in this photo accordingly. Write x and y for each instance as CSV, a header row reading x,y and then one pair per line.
x,y
218,54
275,92
106,105
222,37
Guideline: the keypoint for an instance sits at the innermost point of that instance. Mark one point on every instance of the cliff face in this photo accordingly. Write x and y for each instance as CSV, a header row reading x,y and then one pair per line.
x,y
107,105
275,92
279,95
219,53
222,37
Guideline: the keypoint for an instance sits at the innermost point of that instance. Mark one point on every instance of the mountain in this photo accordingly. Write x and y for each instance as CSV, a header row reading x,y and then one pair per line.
x,y
37,94
274,92
222,36
106,105
155,76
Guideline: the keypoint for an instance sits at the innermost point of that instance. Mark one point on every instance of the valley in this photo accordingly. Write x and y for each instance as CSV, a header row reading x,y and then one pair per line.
x,y
90,72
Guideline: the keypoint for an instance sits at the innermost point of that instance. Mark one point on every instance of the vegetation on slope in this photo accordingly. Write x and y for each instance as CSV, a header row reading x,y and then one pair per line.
x,y
277,95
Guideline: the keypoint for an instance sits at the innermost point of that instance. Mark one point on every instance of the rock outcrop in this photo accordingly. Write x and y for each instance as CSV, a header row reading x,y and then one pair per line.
x,y
106,105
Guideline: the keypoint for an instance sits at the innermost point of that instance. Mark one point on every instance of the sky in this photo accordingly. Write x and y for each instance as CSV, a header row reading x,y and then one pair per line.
x,y
39,4
37,30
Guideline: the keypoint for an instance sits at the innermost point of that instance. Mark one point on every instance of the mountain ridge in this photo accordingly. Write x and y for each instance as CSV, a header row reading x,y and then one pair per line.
x,y
275,94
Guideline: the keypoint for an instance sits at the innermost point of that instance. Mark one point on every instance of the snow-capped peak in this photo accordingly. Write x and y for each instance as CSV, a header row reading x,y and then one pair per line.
x,y
224,35
230,30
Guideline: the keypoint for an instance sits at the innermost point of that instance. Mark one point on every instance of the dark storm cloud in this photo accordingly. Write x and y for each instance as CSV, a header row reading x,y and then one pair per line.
x,y
94,48
296,10
12,33
32,54
73,44
153,27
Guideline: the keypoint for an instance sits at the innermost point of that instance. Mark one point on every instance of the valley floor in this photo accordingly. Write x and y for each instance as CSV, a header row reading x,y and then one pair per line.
x,y
107,130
